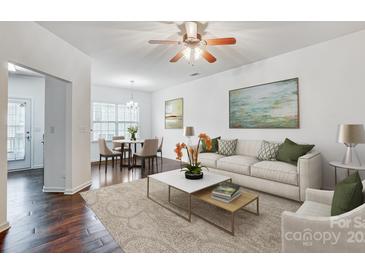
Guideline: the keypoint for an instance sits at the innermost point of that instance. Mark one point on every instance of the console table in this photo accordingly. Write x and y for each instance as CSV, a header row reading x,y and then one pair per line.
x,y
337,164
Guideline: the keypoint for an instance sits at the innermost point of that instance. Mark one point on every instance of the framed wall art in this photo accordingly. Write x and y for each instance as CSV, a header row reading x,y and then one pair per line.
x,y
271,105
174,113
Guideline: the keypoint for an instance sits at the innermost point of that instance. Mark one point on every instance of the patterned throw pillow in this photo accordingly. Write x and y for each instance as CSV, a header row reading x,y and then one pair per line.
x,y
227,147
268,151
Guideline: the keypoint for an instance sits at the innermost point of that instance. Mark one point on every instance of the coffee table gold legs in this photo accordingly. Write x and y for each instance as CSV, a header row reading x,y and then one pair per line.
x,y
189,207
148,187
190,212
257,208
169,200
169,193
232,223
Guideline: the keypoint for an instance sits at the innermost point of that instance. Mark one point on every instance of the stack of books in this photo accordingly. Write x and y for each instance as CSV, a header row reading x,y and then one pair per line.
x,y
226,192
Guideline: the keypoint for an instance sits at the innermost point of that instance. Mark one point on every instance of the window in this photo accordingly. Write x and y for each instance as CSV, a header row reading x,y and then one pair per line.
x,y
112,120
16,131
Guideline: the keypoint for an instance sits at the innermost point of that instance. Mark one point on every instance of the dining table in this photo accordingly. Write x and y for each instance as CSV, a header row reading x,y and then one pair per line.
x,y
129,143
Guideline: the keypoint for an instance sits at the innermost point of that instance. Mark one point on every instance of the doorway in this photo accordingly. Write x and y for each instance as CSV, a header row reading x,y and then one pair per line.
x,y
26,115
38,119
19,134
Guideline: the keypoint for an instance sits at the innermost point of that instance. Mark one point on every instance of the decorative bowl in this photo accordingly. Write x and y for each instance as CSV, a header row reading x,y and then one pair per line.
x,y
193,176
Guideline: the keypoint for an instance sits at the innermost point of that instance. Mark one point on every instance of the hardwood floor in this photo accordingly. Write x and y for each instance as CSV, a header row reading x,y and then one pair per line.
x,y
48,222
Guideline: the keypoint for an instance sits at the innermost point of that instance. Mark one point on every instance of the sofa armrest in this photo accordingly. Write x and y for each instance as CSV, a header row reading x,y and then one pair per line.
x,y
319,196
309,172
323,234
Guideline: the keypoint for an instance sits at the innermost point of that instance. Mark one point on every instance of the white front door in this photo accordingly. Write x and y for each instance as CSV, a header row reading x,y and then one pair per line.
x,y
19,134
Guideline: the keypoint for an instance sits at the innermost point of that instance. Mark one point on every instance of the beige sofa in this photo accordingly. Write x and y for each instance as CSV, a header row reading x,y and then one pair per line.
x,y
313,229
273,177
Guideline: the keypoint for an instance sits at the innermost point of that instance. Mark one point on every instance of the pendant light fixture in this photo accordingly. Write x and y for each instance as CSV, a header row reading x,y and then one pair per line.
x,y
132,105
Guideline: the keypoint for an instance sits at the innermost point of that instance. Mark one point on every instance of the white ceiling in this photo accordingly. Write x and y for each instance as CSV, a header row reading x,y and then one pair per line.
x,y
121,52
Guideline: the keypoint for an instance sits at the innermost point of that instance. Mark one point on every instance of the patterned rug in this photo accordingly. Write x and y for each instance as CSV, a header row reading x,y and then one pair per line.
x,y
140,225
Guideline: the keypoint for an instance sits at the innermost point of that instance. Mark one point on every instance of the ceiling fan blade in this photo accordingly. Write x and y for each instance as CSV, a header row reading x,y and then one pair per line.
x,y
221,41
177,57
164,42
209,57
191,29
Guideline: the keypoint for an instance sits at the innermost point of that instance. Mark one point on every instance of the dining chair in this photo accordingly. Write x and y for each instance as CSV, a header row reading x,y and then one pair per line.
x,y
118,147
148,151
105,152
160,148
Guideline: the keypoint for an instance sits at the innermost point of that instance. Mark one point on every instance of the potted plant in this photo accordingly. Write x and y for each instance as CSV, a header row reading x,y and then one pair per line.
x,y
193,169
132,130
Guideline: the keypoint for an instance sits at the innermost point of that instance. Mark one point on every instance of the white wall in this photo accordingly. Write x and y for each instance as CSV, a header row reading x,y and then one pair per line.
x,y
55,135
30,45
331,91
30,87
122,96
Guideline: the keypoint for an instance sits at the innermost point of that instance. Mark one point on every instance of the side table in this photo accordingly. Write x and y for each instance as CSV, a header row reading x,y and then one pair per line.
x,y
337,164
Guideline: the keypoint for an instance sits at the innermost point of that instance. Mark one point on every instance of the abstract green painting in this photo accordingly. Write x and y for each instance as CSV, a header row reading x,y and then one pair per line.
x,y
174,113
271,105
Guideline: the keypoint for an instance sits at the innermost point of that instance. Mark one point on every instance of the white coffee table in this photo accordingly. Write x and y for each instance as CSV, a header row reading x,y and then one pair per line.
x,y
177,180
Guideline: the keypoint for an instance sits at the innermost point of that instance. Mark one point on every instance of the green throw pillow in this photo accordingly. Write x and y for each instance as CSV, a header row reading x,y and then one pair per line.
x,y
214,145
348,195
290,151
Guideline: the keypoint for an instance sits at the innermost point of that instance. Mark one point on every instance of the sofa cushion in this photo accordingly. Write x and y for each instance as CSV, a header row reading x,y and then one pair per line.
x,y
237,164
248,147
276,171
314,209
209,159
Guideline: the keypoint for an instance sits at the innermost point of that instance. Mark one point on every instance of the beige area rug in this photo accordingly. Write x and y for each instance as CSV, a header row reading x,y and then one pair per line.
x,y
140,225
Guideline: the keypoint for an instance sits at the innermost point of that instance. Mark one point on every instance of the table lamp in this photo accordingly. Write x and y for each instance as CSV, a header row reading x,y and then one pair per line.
x,y
189,132
351,135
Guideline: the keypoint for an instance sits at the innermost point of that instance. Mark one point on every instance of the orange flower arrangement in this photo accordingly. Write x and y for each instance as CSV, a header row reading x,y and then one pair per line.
x,y
194,165
178,150
208,142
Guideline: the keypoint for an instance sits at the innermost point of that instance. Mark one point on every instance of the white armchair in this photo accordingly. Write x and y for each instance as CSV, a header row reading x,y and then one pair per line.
x,y
313,229
310,172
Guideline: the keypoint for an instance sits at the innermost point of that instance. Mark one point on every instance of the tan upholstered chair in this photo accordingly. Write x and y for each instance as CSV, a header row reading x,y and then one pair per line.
x,y
148,151
160,148
118,147
105,152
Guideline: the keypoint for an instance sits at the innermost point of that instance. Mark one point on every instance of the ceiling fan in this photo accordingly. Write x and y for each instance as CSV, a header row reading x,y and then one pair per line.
x,y
194,46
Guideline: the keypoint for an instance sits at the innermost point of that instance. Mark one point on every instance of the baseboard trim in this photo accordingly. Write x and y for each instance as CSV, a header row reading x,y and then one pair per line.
x,y
4,226
78,188
25,169
53,189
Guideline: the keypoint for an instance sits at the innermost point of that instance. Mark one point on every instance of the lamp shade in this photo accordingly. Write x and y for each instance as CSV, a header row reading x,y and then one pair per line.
x,y
189,131
351,134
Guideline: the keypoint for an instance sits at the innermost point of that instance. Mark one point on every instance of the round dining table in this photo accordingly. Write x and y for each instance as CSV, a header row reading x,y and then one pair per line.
x,y
129,143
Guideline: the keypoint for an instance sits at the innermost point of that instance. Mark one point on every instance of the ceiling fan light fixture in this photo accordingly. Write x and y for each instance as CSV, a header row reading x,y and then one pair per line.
x,y
196,52
194,46
191,29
